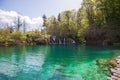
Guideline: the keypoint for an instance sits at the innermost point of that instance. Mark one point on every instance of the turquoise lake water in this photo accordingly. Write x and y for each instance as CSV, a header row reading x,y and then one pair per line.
x,y
58,62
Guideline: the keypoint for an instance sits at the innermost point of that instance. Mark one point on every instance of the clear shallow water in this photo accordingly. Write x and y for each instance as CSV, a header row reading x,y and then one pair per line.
x,y
53,62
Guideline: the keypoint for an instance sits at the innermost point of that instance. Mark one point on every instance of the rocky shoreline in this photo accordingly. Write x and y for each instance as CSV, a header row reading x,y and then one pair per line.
x,y
115,71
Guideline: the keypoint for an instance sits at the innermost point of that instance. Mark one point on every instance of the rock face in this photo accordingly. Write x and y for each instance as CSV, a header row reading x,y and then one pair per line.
x,y
115,71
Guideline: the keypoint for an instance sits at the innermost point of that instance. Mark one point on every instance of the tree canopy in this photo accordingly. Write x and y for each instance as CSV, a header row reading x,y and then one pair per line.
x,y
95,22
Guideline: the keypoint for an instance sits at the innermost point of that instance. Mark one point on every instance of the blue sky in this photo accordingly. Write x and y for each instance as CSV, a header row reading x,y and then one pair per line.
x,y
31,11
36,8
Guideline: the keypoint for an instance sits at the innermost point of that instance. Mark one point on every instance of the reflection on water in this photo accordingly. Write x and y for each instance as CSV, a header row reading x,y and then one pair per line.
x,y
20,60
53,62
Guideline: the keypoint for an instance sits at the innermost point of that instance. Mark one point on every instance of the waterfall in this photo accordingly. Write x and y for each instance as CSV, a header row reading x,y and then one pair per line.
x,y
60,41
73,41
49,39
54,38
64,41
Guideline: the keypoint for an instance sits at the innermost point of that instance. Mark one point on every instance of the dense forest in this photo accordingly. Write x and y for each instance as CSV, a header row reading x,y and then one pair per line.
x,y
97,22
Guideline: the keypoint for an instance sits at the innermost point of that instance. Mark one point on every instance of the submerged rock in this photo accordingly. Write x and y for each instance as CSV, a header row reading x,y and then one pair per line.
x,y
105,65
112,62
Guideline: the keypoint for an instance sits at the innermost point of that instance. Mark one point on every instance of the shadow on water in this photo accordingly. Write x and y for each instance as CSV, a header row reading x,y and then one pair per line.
x,y
4,77
58,77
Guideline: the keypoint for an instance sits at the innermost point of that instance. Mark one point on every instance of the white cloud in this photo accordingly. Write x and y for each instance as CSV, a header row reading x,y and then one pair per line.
x,y
37,20
9,18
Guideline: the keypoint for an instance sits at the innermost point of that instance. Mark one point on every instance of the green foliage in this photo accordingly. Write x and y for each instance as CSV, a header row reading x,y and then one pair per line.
x,y
18,38
34,38
96,22
44,19
103,17
5,36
